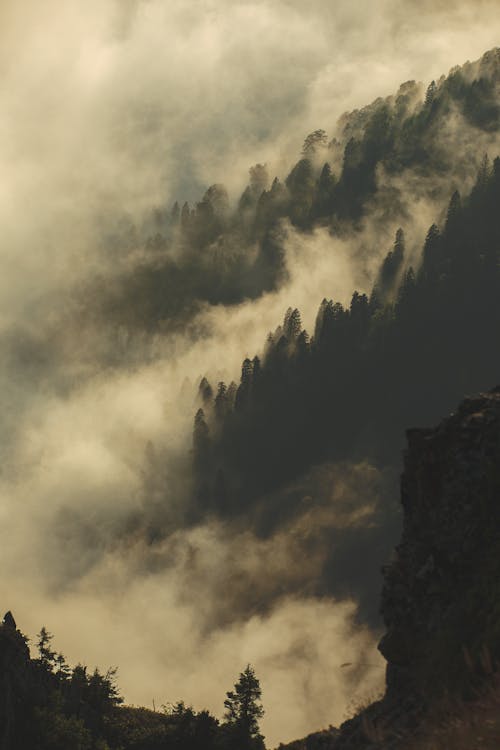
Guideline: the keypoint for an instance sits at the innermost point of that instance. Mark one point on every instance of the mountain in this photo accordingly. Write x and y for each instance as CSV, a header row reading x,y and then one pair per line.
x,y
404,354
394,161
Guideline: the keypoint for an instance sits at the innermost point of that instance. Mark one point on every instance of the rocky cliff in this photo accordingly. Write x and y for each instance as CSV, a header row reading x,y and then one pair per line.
x,y
441,598
441,594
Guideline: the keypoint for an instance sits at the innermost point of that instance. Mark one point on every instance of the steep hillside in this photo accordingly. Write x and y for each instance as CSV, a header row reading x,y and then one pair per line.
x,y
315,411
394,161
403,355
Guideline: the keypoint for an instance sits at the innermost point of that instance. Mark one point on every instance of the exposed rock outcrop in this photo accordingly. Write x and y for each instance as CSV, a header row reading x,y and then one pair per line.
x,y
441,594
441,598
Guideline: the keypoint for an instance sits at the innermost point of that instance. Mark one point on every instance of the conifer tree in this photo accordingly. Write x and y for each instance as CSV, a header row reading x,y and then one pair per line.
x,y
201,441
244,709
46,655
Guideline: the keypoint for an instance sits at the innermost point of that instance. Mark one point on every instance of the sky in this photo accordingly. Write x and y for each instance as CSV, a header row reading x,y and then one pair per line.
x,y
107,110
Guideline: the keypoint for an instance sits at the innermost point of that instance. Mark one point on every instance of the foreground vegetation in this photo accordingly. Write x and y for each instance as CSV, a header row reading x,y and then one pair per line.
x,y
46,705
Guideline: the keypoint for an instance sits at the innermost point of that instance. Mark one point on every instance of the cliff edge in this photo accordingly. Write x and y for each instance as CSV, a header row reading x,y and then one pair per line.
x,y
441,598
441,595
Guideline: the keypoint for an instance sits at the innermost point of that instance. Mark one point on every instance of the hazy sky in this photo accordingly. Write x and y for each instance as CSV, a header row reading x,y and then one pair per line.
x,y
125,104
110,108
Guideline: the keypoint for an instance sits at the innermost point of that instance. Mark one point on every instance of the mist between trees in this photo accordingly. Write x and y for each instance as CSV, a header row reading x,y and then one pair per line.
x,y
400,357
382,160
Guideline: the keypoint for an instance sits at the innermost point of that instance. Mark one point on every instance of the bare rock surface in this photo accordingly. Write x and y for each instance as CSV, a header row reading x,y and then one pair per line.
x,y
441,594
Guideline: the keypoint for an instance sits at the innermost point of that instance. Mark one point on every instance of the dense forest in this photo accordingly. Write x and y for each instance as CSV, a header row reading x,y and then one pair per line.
x,y
47,705
218,254
402,353
423,337
400,357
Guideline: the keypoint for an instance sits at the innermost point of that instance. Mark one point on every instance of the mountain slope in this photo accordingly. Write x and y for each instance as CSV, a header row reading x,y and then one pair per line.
x,y
403,355
391,162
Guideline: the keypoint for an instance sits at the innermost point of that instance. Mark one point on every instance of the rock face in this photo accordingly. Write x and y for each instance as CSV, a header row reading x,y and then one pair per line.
x,y
441,595
441,598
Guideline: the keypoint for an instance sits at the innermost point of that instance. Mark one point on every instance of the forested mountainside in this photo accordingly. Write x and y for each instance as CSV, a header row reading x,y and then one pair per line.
x,y
382,164
423,338
307,445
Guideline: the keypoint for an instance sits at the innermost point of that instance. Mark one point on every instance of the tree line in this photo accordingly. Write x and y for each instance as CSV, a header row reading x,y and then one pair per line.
x,y
212,252
401,356
47,705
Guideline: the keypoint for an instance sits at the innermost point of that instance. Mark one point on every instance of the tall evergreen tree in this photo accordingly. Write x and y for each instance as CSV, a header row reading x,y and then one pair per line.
x,y
243,711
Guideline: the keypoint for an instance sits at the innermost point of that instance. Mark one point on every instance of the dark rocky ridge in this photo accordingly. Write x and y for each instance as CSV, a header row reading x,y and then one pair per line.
x,y
441,595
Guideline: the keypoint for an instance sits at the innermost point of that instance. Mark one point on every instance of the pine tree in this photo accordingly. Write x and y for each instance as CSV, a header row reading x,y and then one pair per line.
x,y
431,255
453,215
201,441
206,391
46,655
292,325
323,205
185,216
430,94
243,711
314,142
243,391
391,267
221,404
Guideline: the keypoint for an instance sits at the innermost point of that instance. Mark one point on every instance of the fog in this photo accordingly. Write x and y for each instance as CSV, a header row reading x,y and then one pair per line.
x,y
181,617
106,111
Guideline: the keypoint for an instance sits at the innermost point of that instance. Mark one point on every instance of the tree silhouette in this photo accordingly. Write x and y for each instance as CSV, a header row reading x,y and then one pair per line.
x,y
46,655
243,711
